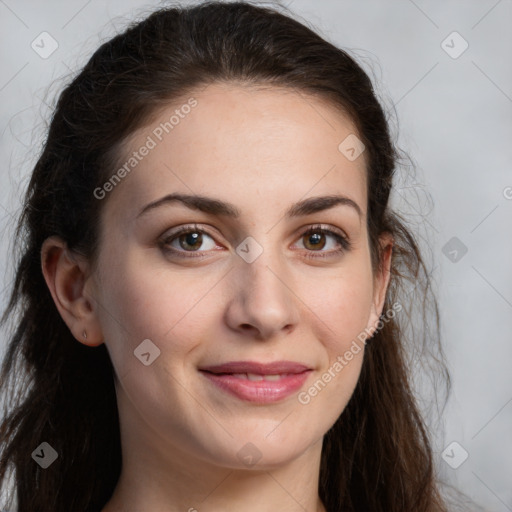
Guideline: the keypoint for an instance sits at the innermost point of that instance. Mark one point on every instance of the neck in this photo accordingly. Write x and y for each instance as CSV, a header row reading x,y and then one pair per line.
x,y
175,483
162,473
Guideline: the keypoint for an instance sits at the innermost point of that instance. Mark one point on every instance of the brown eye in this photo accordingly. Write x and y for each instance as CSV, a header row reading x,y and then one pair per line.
x,y
314,241
189,239
192,240
320,242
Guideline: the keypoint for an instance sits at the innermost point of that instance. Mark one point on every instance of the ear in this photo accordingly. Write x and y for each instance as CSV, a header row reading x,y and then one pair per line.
x,y
65,273
381,280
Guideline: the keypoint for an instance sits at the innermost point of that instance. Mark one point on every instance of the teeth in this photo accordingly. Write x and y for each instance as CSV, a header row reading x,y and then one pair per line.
x,y
256,377
272,377
253,376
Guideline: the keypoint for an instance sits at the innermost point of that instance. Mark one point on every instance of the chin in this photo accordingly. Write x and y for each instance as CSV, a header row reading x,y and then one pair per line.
x,y
260,448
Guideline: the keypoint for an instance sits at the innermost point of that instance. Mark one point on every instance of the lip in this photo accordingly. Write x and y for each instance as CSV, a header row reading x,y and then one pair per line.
x,y
273,368
227,377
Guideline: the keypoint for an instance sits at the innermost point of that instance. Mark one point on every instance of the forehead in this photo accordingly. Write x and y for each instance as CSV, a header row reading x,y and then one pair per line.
x,y
244,144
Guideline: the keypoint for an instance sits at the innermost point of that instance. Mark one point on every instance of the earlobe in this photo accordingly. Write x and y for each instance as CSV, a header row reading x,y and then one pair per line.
x,y
65,277
381,281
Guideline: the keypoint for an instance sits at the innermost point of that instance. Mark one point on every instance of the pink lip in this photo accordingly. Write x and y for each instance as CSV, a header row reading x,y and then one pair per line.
x,y
258,368
293,376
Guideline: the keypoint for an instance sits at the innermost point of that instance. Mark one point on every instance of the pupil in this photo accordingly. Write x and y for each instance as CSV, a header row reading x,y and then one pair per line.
x,y
314,239
192,240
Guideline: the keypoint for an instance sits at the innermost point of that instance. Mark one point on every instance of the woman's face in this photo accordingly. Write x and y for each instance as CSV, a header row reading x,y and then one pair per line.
x,y
244,283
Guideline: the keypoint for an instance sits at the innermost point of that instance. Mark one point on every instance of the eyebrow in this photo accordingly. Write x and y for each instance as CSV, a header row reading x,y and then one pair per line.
x,y
217,207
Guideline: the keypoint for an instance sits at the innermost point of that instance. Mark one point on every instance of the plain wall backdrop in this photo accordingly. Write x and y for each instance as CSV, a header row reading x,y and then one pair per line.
x,y
446,66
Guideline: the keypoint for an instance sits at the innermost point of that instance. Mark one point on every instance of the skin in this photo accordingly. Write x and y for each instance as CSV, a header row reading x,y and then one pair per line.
x,y
261,149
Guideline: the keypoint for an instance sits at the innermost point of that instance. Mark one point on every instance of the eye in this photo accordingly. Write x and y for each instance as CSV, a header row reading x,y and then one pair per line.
x,y
316,239
192,241
188,239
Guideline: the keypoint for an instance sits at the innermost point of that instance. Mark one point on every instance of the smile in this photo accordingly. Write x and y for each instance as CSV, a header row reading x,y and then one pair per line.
x,y
258,382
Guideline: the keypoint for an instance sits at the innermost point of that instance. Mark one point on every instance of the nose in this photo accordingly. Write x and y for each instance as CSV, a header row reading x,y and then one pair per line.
x,y
263,304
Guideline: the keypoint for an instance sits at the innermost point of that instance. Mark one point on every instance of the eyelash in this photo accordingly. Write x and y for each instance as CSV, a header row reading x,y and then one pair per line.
x,y
345,244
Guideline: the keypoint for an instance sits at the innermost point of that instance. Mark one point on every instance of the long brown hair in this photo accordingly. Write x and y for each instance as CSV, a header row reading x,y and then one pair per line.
x,y
377,457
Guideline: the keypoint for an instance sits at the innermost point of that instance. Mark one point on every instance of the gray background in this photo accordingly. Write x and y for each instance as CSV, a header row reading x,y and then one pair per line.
x,y
454,114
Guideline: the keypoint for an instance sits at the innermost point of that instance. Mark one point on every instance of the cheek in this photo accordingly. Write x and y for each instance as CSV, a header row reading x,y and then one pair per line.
x,y
139,303
342,305
342,309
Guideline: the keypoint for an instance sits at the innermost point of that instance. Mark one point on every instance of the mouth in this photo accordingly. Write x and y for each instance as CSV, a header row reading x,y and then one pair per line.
x,y
258,382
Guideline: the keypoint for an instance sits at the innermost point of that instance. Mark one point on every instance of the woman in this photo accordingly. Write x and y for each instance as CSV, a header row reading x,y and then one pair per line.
x,y
211,289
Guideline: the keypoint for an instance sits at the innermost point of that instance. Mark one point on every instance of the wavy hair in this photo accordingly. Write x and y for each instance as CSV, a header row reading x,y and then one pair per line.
x,y
377,456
